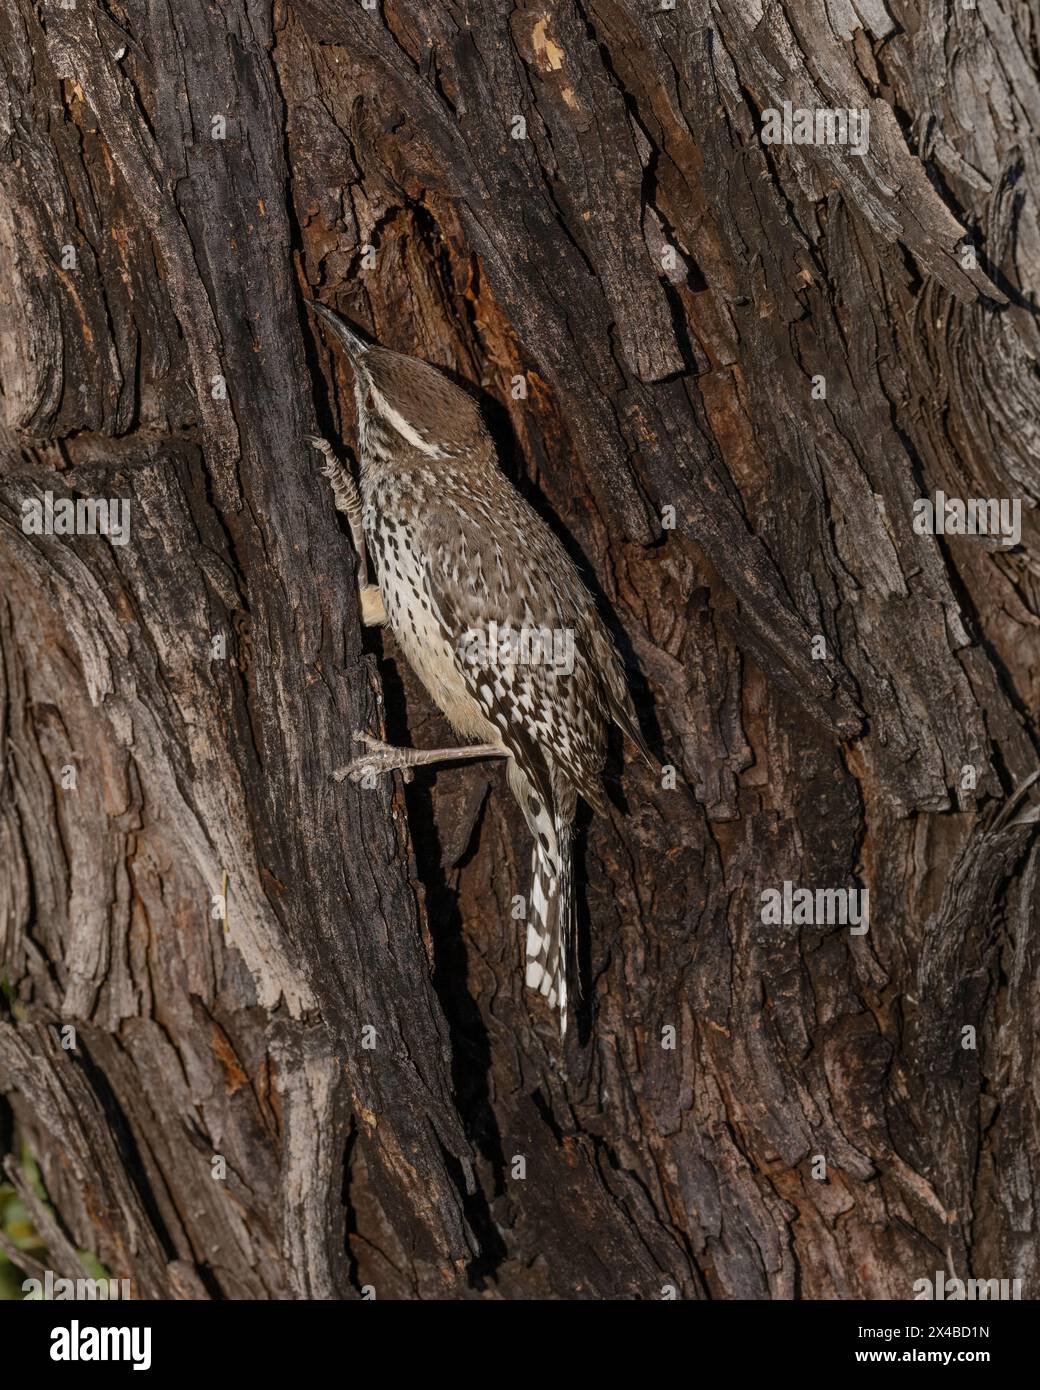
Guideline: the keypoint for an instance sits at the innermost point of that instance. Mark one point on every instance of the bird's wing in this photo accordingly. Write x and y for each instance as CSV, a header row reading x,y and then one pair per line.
x,y
493,570
614,685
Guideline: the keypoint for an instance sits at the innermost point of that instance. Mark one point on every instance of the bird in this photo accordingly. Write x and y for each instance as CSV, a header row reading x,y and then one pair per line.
x,y
490,613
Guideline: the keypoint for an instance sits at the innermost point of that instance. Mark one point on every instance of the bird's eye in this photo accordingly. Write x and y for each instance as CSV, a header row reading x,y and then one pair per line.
x,y
369,402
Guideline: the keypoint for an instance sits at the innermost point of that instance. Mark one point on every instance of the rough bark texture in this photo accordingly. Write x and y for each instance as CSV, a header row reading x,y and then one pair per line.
x,y
369,157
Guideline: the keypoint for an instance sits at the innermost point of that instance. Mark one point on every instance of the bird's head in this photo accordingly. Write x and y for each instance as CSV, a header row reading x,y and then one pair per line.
x,y
405,407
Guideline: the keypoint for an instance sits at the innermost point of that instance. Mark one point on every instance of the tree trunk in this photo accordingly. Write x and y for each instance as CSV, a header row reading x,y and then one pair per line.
x,y
267,1035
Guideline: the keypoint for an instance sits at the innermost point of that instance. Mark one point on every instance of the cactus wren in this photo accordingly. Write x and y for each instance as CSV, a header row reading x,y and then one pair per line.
x,y
464,569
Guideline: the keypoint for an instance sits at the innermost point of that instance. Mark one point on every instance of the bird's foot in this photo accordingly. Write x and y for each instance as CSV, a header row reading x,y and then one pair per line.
x,y
373,610
381,759
332,467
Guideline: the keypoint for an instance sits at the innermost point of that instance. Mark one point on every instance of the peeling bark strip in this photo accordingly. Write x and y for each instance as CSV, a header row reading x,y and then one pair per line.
x,y
266,1035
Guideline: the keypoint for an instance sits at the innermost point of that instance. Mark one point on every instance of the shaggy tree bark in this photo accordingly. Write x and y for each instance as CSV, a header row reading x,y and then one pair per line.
x,y
723,370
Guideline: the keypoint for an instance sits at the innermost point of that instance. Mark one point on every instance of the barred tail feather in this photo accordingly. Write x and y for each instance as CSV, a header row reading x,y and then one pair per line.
x,y
548,805
550,920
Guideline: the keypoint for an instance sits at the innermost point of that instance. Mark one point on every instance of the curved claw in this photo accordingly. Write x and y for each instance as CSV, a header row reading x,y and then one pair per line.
x,y
355,771
382,760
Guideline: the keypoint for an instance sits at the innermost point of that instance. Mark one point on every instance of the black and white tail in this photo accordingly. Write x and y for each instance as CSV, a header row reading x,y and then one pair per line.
x,y
549,812
550,919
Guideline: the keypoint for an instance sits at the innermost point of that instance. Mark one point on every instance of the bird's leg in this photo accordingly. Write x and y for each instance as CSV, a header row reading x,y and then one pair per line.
x,y
383,758
348,500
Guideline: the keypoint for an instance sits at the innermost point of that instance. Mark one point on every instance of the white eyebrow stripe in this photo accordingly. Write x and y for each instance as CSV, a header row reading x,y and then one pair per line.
x,y
404,429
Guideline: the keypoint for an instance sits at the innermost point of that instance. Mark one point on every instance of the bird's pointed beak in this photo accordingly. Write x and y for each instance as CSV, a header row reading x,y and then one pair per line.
x,y
355,346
